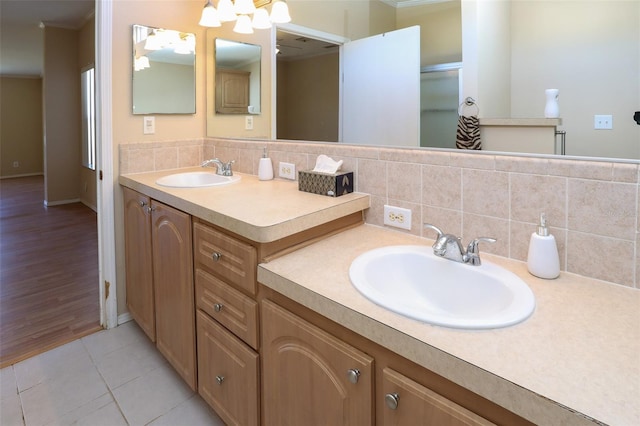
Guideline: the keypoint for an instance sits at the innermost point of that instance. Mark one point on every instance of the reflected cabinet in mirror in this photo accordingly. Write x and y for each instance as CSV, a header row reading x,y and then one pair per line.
x,y
510,52
237,77
164,78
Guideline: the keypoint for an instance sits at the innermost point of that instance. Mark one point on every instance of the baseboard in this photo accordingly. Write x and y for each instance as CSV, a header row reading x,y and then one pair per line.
x,y
22,175
123,318
91,206
60,202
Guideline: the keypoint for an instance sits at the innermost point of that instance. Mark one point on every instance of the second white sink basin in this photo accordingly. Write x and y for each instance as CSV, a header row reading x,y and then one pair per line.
x,y
196,180
412,281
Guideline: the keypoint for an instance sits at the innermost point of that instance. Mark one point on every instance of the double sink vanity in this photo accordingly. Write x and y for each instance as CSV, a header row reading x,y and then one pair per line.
x,y
245,287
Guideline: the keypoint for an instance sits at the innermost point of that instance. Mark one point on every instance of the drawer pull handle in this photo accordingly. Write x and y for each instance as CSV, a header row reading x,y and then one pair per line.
x,y
353,375
217,307
216,256
392,400
219,379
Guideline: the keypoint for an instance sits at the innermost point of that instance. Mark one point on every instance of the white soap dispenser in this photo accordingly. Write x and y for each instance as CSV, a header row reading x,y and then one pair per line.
x,y
265,167
543,260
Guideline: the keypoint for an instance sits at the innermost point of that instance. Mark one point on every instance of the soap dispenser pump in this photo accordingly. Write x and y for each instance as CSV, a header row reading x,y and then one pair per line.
x,y
543,260
265,167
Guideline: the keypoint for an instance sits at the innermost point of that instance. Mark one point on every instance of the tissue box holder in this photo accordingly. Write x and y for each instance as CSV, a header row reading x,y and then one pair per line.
x,y
330,184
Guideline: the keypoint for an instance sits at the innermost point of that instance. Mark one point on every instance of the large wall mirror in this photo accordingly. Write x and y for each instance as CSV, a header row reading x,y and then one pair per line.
x,y
164,79
237,77
514,50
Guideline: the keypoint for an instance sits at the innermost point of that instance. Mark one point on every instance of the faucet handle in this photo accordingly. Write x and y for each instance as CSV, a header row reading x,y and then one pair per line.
x,y
435,228
473,252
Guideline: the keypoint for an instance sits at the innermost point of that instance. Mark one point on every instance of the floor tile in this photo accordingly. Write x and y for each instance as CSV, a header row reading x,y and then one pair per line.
x,y
104,342
55,398
8,385
129,362
101,411
61,361
192,412
11,411
152,395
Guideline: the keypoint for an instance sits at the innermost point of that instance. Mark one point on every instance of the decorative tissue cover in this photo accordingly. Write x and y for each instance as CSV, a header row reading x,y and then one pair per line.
x,y
333,185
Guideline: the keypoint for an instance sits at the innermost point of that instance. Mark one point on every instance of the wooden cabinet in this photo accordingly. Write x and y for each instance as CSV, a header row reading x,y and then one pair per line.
x,y
174,288
138,262
159,271
232,91
407,402
228,373
227,323
310,377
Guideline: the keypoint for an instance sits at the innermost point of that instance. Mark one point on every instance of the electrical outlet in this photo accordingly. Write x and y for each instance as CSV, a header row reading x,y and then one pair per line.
x,y
603,122
397,217
248,122
149,125
287,170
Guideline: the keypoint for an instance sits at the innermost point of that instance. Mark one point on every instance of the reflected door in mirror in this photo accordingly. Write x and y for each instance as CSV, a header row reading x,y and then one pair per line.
x,y
232,91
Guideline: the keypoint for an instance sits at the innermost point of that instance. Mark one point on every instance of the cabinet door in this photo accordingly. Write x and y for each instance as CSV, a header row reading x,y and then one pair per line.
x,y
409,403
309,376
174,290
227,373
232,91
138,262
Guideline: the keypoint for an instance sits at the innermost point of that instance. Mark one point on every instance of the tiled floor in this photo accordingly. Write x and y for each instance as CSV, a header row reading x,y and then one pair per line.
x,y
113,377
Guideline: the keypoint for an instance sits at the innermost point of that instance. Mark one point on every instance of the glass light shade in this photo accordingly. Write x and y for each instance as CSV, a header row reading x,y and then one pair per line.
x,y
153,42
225,11
261,19
209,16
141,63
280,13
244,7
243,25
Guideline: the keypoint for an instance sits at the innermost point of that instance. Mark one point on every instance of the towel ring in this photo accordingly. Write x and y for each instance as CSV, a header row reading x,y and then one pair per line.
x,y
468,102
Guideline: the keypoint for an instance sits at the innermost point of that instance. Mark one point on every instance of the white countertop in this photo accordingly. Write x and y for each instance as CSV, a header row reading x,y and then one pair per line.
x,y
263,211
576,360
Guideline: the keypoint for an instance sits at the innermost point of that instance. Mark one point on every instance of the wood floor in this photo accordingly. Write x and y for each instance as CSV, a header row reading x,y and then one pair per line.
x,y
48,271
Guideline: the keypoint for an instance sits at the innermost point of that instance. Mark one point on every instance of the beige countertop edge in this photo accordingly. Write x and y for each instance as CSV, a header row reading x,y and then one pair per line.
x,y
299,211
521,122
574,361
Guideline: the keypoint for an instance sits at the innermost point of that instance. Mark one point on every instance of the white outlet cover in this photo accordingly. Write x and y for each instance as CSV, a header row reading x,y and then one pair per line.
x,y
287,170
397,217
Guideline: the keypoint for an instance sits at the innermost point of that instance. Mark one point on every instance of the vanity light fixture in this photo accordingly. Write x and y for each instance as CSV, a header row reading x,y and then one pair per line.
x,y
245,13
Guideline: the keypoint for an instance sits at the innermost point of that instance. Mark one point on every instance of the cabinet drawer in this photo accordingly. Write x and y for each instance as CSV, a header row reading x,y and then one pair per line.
x,y
228,306
227,373
225,257
406,400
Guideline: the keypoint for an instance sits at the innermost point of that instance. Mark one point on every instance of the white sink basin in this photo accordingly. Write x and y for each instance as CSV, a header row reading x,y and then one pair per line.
x,y
412,281
196,180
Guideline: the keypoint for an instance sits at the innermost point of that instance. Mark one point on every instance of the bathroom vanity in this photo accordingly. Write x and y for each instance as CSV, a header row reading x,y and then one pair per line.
x,y
281,336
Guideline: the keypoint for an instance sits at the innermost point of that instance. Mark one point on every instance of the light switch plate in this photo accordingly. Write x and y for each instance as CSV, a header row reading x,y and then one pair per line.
x,y
149,125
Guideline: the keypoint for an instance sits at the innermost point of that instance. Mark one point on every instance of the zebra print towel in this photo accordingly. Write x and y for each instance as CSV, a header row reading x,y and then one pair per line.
x,y
468,133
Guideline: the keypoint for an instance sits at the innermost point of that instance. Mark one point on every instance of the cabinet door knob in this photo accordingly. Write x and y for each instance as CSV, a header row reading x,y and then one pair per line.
x,y
353,375
151,209
142,203
217,307
219,379
392,400
216,256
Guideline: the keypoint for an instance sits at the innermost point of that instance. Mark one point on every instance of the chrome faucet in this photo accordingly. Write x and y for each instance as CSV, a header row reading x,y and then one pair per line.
x,y
222,168
450,247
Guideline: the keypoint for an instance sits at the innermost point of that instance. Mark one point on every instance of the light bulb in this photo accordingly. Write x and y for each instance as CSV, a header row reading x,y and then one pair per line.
x,y
209,16
280,13
243,25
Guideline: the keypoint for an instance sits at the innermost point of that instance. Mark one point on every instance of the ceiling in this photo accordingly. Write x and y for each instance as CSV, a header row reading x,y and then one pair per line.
x,y
21,43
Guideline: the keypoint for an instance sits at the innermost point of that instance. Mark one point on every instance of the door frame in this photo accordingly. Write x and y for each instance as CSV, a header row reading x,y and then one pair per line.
x,y
309,33
104,166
